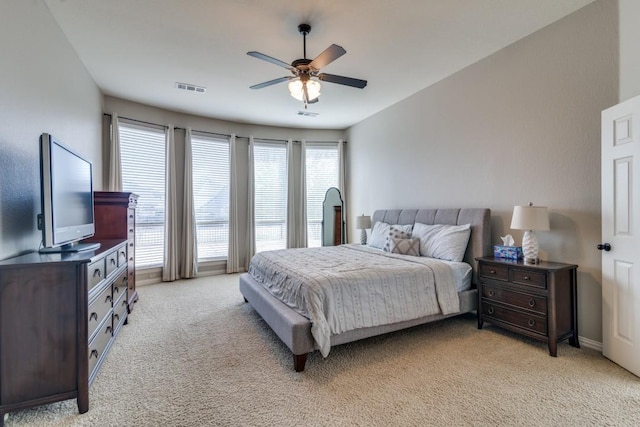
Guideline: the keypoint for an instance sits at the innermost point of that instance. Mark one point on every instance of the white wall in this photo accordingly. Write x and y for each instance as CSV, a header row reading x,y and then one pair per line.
x,y
520,125
43,88
629,16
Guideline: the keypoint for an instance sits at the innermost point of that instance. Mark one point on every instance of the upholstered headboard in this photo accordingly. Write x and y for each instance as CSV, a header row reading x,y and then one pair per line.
x,y
479,218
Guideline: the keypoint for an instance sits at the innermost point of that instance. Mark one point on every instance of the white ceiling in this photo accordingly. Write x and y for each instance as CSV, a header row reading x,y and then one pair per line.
x,y
138,49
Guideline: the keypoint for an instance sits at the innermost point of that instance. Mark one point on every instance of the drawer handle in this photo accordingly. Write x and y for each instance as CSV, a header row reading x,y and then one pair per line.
x,y
124,279
131,244
108,330
116,289
131,216
116,316
113,261
490,311
93,315
94,353
531,322
131,230
492,272
109,298
123,303
491,293
123,253
527,278
532,303
97,272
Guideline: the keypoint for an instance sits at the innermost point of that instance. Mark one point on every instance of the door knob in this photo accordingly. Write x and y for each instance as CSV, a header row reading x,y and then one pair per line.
x,y
605,246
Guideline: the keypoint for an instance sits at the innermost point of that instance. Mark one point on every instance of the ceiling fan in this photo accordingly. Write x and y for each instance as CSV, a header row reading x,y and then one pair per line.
x,y
304,82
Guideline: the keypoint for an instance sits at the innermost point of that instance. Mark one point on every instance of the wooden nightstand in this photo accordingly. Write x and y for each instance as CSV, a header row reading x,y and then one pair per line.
x,y
536,300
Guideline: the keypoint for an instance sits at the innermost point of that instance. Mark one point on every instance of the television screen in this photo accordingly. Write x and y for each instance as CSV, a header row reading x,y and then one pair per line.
x,y
66,196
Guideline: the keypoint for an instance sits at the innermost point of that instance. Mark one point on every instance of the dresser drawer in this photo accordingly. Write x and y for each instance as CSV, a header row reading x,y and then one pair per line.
x,y
98,344
98,309
517,299
529,278
95,273
120,285
112,262
119,312
519,319
492,271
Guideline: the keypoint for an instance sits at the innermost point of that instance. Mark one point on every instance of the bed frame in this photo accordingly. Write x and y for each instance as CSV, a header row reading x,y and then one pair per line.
x,y
295,330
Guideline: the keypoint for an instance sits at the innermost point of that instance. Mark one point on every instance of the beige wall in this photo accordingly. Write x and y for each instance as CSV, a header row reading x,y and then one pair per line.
x,y
43,88
520,125
629,16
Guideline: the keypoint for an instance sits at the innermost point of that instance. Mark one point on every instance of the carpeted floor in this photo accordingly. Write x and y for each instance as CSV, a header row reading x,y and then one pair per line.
x,y
194,354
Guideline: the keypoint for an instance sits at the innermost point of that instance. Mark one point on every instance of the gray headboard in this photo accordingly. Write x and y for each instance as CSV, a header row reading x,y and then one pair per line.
x,y
479,218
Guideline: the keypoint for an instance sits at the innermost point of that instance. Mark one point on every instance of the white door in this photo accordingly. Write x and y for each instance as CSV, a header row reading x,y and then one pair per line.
x,y
621,234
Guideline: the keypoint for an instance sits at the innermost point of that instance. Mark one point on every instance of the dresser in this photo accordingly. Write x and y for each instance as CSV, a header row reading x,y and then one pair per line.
x,y
115,218
59,316
536,300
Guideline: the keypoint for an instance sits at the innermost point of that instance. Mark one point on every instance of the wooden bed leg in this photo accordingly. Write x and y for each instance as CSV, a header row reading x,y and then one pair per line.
x,y
298,361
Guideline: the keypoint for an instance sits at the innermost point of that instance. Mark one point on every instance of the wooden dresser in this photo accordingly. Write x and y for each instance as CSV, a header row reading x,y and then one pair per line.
x,y
536,300
115,218
59,316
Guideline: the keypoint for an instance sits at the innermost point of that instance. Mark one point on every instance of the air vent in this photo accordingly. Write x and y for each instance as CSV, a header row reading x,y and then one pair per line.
x,y
190,87
307,113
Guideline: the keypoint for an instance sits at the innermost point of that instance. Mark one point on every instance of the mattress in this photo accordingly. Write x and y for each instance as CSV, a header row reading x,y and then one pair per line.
x,y
347,287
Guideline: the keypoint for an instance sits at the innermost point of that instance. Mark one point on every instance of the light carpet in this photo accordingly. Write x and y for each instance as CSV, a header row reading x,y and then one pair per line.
x,y
195,354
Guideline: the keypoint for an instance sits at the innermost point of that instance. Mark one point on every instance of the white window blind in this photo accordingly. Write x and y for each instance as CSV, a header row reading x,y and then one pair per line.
x,y
322,167
211,179
142,151
270,174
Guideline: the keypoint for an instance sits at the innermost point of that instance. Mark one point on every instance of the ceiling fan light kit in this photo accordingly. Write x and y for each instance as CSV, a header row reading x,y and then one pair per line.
x,y
304,83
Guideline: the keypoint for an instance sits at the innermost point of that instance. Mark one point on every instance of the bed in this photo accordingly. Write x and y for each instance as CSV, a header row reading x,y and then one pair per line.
x,y
301,335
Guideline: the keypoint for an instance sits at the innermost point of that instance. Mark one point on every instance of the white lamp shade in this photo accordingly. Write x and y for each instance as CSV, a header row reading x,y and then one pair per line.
x,y
530,218
296,88
363,222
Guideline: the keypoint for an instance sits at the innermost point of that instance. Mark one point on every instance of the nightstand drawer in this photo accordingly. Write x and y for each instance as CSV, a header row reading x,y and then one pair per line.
x,y
530,278
516,318
492,271
516,299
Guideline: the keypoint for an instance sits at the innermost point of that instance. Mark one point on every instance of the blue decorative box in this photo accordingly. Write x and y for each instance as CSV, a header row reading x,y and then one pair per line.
x,y
508,252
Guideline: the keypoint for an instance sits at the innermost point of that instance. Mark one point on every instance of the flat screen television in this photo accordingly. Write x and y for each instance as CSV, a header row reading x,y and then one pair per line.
x,y
66,188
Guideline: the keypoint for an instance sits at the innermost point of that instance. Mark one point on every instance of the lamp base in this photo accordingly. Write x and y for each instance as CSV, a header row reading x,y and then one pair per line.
x,y
363,237
530,247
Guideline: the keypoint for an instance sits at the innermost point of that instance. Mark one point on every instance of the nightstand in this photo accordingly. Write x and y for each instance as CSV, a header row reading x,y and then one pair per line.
x,y
536,300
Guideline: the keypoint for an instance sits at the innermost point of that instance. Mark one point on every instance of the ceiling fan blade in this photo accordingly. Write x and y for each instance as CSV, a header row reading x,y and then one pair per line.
x,y
329,55
271,82
270,59
341,80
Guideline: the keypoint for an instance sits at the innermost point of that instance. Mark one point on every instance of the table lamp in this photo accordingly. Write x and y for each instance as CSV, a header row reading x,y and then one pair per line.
x,y
530,218
362,223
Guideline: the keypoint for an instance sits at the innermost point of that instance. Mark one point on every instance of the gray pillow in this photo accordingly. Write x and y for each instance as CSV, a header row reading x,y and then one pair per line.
x,y
448,242
405,246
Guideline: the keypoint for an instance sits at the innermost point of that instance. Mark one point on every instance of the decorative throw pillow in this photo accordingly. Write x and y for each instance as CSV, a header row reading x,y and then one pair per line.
x,y
405,246
397,232
448,242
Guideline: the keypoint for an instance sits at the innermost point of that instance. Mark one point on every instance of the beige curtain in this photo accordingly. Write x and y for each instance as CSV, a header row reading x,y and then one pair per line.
x,y
170,266
115,161
233,257
251,214
189,253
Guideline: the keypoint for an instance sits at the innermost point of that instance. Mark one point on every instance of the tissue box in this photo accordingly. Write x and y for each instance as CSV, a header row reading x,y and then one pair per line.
x,y
508,252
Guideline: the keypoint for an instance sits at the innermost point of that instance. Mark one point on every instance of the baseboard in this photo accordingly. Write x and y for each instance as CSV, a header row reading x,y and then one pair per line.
x,y
588,343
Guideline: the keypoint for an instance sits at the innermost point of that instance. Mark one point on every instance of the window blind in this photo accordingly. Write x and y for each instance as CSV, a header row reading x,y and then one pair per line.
x,y
142,152
211,182
322,167
270,198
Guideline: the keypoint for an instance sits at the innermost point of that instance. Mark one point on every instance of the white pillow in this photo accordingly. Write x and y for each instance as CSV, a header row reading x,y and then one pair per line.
x,y
380,231
448,242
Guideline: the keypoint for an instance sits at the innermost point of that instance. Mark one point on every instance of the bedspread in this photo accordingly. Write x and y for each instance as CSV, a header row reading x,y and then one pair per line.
x,y
341,288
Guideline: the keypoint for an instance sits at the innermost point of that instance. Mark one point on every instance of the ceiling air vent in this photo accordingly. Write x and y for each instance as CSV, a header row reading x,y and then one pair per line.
x,y
191,88
307,113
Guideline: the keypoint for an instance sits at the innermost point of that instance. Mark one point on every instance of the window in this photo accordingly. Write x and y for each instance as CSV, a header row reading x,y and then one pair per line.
x,y
270,176
142,152
211,179
322,167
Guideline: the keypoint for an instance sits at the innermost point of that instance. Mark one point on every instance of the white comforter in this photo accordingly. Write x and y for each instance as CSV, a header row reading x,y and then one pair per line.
x,y
347,287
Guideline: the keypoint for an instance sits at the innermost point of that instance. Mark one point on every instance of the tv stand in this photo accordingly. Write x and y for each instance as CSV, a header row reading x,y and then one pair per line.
x,y
71,247
59,315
